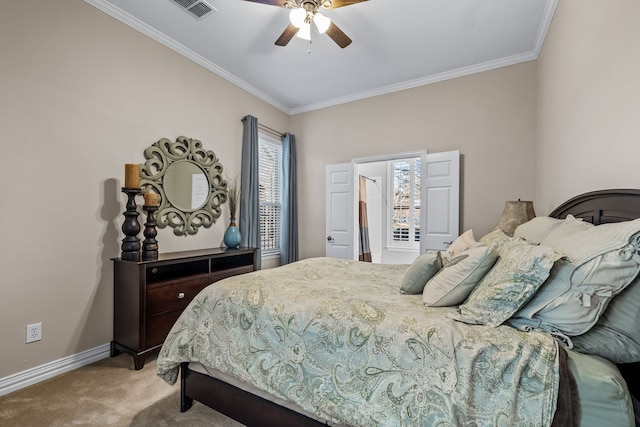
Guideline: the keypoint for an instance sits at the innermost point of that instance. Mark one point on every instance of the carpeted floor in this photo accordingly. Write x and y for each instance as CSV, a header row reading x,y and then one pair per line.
x,y
106,393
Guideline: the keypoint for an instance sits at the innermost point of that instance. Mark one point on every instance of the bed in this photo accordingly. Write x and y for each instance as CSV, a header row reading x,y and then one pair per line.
x,y
345,347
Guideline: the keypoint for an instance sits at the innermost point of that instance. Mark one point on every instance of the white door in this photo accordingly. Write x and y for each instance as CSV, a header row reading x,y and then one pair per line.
x,y
440,192
340,211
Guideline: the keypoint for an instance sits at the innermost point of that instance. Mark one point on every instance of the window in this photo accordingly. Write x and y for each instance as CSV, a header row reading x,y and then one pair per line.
x,y
404,226
270,189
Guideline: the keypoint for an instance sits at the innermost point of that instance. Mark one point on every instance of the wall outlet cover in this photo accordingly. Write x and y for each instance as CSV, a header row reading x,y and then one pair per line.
x,y
34,332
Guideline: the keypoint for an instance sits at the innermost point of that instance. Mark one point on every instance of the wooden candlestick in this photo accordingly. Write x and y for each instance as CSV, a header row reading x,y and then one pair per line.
x,y
150,244
131,227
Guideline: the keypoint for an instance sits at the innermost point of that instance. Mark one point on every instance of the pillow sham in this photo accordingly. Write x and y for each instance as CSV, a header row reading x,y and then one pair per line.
x,y
462,243
616,335
458,277
419,272
536,229
601,262
497,239
516,276
568,226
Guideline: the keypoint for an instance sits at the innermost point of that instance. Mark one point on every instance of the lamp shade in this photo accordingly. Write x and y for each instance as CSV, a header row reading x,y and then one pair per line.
x,y
515,212
297,16
305,31
322,22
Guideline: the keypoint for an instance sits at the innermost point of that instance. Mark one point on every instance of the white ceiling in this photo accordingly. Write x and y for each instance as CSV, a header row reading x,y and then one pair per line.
x,y
396,45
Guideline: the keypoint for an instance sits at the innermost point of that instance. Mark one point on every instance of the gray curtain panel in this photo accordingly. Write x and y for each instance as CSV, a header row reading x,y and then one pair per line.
x,y
289,232
249,183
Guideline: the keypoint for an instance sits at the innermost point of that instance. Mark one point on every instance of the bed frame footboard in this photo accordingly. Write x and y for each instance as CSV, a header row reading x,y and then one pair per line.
x,y
235,403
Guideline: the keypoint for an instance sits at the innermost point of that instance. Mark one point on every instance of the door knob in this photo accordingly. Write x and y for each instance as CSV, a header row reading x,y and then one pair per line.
x,y
329,239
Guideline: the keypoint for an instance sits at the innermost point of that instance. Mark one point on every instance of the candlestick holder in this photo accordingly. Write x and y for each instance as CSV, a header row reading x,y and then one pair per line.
x,y
150,244
131,227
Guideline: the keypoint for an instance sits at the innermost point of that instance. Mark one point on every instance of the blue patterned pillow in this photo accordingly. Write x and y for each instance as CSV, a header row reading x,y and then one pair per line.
x,y
514,279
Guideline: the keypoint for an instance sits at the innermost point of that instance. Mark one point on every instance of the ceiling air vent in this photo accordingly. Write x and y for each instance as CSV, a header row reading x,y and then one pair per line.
x,y
197,8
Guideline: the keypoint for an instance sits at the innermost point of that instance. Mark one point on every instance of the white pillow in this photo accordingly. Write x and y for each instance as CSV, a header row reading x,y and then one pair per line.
x,y
462,243
458,277
535,230
568,226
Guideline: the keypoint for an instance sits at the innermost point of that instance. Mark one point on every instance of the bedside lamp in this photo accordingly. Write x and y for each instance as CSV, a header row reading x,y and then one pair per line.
x,y
515,212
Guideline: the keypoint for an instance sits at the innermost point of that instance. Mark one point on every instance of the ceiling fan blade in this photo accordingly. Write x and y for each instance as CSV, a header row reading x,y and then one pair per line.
x,y
340,3
280,3
338,36
287,35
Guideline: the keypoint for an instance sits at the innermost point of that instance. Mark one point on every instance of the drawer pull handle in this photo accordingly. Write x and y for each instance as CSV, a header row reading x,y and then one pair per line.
x,y
181,295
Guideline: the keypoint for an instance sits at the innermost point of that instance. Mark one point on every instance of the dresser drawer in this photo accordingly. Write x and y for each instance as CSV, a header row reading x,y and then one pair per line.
x,y
174,296
159,326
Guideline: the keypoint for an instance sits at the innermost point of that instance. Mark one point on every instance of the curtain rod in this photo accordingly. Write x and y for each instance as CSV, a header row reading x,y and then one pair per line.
x,y
366,177
267,129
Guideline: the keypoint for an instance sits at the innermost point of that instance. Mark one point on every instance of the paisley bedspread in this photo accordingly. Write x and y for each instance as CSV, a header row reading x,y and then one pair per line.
x,y
338,339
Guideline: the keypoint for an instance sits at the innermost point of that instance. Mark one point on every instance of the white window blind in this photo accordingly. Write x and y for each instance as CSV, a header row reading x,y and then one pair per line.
x,y
405,210
270,194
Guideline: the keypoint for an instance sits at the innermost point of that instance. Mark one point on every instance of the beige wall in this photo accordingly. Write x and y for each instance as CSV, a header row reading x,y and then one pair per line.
x,y
489,117
588,101
81,95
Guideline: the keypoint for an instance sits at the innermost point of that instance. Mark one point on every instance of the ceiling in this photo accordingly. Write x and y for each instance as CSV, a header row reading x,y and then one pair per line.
x,y
397,44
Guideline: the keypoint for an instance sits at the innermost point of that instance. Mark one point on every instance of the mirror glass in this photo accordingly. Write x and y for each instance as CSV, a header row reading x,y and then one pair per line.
x,y
186,186
188,181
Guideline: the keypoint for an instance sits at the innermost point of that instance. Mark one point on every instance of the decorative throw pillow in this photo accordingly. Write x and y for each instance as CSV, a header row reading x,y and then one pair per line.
x,y
616,335
535,230
458,277
568,226
462,243
497,239
419,272
602,261
516,276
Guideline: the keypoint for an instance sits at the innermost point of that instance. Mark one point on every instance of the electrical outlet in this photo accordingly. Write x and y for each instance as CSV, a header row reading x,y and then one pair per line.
x,y
34,332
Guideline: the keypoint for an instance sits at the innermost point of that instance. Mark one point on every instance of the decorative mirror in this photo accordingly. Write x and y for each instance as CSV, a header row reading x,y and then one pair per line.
x,y
188,181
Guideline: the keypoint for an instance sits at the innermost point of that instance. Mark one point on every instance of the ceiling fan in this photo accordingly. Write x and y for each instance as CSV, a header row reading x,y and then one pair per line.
x,y
303,12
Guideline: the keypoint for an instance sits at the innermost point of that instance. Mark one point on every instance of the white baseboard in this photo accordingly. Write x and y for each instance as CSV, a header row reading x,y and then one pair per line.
x,y
49,370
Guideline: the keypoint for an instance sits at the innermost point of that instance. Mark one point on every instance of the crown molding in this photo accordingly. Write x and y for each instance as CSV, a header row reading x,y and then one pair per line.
x,y
410,84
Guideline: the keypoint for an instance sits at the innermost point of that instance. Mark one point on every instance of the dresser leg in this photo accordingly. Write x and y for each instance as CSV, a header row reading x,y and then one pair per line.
x,y
114,350
138,361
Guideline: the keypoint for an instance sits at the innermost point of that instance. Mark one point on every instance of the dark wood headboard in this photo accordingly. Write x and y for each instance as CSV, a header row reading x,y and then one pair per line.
x,y
599,207
605,206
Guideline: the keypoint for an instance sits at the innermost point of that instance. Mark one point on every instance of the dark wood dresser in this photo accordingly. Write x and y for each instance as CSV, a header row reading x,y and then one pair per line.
x,y
149,296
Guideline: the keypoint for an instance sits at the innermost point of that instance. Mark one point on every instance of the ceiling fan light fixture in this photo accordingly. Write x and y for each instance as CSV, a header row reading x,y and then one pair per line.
x,y
322,22
305,31
297,17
